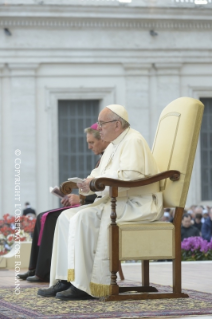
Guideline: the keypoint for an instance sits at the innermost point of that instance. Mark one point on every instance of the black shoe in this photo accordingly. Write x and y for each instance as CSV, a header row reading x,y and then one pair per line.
x,y
26,274
73,293
35,279
51,291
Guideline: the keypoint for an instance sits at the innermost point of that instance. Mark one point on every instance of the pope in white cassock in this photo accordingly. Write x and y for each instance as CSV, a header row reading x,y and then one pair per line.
x,y
80,257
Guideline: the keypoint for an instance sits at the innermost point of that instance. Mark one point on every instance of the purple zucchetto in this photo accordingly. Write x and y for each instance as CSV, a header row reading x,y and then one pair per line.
x,y
94,126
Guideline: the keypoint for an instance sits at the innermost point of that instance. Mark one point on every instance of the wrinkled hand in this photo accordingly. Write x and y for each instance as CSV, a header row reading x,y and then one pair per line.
x,y
85,186
65,201
74,199
70,200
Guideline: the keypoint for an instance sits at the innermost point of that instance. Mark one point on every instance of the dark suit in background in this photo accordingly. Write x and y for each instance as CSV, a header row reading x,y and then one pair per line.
x,y
29,210
207,229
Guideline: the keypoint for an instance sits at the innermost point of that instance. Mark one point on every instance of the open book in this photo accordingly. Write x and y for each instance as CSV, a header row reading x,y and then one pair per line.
x,y
56,191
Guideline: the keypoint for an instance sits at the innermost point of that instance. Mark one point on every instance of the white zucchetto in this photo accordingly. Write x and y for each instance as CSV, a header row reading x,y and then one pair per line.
x,y
119,110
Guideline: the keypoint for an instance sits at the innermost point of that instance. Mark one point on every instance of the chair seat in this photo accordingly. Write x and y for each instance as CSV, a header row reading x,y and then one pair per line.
x,y
155,241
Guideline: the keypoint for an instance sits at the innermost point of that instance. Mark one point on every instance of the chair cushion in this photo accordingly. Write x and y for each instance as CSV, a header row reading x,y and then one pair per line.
x,y
142,241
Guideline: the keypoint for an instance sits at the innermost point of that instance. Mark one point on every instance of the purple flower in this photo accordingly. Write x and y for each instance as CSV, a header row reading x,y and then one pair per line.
x,y
185,244
204,246
196,243
210,245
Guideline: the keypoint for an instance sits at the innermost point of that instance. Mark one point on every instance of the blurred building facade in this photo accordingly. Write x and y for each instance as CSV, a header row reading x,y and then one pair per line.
x,y
63,61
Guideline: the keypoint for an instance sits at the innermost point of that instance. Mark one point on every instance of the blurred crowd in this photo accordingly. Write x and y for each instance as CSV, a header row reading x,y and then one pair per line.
x,y
196,221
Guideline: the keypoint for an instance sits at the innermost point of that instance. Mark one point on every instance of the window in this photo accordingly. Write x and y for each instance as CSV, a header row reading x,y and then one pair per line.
x,y
75,159
206,150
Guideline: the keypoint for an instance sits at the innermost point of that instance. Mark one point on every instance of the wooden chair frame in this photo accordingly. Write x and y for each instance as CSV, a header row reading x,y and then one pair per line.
x,y
145,291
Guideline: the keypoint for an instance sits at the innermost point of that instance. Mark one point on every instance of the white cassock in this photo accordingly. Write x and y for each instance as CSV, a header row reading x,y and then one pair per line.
x,y
80,249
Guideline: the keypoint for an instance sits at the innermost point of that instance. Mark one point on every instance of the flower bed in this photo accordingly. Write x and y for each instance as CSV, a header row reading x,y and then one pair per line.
x,y
9,233
196,248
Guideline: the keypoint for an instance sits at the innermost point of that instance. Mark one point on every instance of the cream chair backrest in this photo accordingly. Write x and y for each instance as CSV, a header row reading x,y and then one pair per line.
x,y
175,145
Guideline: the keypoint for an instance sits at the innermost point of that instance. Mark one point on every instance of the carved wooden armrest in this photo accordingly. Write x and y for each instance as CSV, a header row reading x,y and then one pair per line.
x,y
98,184
66,189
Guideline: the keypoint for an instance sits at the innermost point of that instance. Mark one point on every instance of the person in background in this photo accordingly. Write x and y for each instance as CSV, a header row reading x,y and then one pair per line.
x,y
192,208
28,210
205,215
166,217
197,210
187,229
172,213
192,214
207,227
197,222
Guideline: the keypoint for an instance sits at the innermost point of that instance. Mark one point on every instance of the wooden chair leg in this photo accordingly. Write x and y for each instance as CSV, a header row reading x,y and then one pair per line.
x,y
121,271
176,266
145,273
114,243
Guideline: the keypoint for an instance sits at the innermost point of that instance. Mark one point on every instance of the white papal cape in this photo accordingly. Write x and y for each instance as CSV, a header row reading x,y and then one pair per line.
x,y
80,249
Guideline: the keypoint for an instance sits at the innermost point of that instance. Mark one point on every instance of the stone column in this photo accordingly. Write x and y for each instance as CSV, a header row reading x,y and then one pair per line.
x,y
137,97
1,138
23,119
164,88
168,83
7,156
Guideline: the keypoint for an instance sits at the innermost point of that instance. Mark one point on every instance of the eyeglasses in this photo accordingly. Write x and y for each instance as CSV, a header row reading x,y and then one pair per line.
x,y
102,123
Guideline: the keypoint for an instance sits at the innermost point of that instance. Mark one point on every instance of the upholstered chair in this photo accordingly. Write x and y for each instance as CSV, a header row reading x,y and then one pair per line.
x,y
174,150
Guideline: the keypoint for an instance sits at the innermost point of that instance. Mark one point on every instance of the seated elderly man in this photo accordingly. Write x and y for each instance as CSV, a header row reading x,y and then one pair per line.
x,y
41,250
80,257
